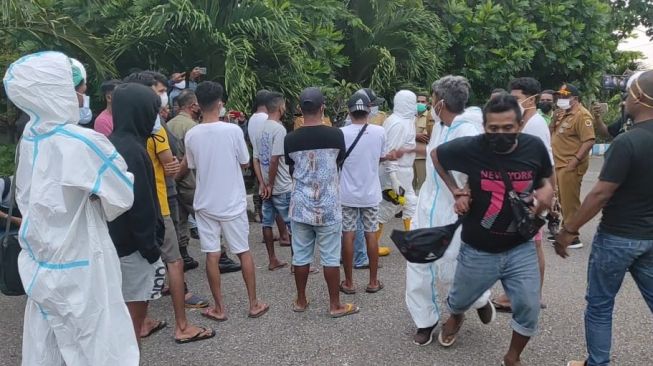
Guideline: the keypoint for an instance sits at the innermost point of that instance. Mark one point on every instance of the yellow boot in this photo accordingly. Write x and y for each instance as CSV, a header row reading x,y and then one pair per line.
x,y
383,251
406,224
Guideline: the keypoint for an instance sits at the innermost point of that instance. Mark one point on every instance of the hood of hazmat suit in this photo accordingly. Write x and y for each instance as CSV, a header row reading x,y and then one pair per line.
x,y
435,208
70,181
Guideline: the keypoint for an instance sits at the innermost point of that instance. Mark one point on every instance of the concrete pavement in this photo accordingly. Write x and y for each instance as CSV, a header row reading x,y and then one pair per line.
x,y
382,332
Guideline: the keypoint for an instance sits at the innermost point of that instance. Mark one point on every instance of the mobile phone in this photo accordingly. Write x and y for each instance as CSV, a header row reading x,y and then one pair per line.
x,y
202,70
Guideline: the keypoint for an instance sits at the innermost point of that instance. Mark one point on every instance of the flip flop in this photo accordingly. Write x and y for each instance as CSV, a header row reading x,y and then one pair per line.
x,y
283,243
348,291
366,266
297,309
349,310
207,315
314,270
453,340
197,337
260,313
279,266
500,308
196,302
162,324
373,290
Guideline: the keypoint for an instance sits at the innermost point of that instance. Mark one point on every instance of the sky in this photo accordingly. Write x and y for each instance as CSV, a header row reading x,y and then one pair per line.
x,y
640,43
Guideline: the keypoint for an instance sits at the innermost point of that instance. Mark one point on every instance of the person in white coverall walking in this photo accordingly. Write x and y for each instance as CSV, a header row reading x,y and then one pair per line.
x,y
397,174
435,205
70,181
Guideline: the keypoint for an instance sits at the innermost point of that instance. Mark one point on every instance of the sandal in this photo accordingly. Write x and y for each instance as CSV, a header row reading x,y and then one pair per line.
x,y
349,310
500,308
260,313
197,337
162,324
348,291
297,309
278,266
208,315
196,302
454,335
373,290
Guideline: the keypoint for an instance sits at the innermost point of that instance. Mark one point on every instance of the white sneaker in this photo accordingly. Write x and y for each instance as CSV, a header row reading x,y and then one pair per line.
x,y
576,244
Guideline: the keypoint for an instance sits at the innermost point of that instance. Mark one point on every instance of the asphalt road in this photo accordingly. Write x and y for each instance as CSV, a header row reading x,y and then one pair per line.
x,y
382,332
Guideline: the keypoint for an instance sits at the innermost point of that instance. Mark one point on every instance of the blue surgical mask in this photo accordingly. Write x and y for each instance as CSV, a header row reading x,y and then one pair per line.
x,y
157,125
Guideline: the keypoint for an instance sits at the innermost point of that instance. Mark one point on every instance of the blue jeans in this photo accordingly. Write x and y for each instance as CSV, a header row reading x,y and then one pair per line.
x,y
519,273
305,237
360,247
276,205
610,259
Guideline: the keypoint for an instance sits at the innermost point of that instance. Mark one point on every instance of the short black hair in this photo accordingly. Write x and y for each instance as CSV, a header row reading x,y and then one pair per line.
x,y
548,91
208,93
528,86
423,94
502,103
273,101
498,91
359,114
148,78
185,98
108,86
261,98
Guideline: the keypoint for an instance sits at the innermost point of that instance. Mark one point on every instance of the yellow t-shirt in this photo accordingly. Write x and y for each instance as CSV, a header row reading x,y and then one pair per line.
x,y
155,145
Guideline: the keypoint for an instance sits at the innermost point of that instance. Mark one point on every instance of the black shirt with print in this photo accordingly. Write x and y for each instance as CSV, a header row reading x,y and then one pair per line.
x,y
490,225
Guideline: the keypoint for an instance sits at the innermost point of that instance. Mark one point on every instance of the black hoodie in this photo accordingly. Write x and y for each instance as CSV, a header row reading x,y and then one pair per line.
x,y
135,108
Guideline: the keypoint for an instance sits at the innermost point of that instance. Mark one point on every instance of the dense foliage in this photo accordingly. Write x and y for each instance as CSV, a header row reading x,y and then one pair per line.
x,y
337,44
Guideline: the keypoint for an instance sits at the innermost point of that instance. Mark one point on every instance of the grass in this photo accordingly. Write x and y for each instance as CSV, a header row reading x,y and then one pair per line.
x,y
7,153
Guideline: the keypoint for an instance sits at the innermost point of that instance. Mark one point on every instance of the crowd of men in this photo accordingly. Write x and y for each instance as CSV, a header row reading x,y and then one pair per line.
x,y
107,213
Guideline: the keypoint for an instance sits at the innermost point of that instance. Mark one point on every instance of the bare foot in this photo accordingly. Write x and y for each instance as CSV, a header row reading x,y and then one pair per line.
x,y
188,332
149,326
276,264
451,328
258,309
510,362
215,314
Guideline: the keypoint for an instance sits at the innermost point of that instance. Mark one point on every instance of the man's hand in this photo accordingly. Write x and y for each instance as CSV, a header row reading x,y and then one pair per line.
x,y
572,164
562,241
266,192
558,113
463,201
543,197
178,77
172,168
597,110
422,137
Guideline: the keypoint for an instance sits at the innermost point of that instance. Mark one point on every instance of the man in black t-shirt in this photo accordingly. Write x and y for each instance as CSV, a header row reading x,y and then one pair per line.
x,y
624,240
492,248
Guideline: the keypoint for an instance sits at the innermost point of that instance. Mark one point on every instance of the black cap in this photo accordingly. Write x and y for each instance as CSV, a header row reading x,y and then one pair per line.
x,y
374,99
568,90
311,99
359,102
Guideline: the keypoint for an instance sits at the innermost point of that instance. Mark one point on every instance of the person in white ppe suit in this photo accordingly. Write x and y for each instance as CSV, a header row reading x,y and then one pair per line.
x,y
435,205
79,80
70,181
398,174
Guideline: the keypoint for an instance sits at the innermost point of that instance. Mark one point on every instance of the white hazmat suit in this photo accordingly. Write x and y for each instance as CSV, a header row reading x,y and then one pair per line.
x,y
400,134
435,208
70,180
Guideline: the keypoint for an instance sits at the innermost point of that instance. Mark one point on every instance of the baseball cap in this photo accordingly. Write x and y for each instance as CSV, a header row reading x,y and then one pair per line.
x,y
568,90
374,99
359,102
311,99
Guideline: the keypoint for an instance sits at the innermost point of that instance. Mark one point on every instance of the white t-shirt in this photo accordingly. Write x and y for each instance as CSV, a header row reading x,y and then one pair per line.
x,y
216,150
255,125
537,127
359,179
269,144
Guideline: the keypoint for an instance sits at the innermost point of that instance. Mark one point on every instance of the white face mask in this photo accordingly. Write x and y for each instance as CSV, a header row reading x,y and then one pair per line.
x,y
164,100
435,114
85,113
157,125
181,85
564,103
223,112
374,111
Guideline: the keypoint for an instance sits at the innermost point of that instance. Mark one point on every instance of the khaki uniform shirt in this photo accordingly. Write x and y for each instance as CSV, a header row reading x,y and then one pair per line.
x,y
379,119
422,126
569,133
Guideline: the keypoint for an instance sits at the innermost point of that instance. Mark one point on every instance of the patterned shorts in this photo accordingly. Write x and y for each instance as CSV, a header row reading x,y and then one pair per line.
x,y
368,215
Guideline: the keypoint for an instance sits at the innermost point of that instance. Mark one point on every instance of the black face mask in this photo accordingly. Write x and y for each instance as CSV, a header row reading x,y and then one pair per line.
x,y
500,142
545,107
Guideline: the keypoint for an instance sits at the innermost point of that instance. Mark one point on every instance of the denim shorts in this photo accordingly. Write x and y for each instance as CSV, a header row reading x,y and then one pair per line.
x,y
518,271
276,205
305,237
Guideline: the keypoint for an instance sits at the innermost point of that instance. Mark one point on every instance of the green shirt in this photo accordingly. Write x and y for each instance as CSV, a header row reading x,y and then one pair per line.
x,y
546,117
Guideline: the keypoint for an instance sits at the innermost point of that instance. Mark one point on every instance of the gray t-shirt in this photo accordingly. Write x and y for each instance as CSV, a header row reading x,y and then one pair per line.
x,y
269,144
